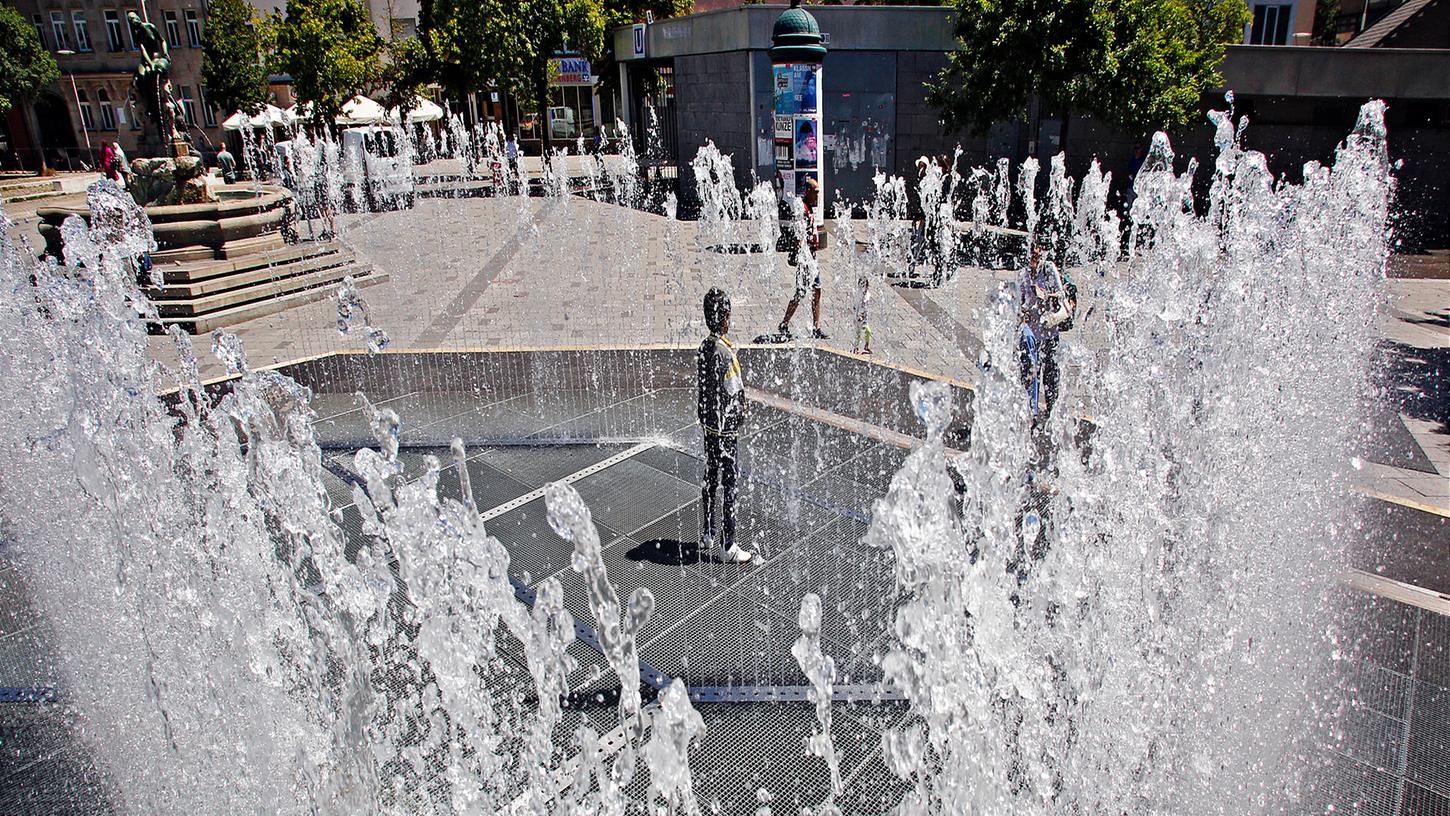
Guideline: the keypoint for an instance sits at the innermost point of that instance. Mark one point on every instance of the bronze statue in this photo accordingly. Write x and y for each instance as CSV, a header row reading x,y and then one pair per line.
x,y
153,79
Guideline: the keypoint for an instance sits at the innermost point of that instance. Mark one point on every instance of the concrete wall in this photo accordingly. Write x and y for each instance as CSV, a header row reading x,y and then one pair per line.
x,y
712,103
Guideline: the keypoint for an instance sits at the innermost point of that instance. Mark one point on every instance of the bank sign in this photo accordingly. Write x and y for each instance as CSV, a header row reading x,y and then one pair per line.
x,y
572,71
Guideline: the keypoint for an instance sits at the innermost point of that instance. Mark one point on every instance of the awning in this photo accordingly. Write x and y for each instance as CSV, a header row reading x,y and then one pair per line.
x,y
361,111
425,111
269,116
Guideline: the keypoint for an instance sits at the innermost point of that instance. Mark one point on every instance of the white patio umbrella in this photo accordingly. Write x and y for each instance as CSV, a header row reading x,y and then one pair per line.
x,y
297,112
269,116
425,111
361,111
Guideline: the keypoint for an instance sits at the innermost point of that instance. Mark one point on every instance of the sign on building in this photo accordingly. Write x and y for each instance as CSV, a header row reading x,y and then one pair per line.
x,y
639,40
572,71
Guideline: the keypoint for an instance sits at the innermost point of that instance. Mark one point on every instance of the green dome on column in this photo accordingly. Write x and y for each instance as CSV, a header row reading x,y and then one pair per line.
x,y
796,37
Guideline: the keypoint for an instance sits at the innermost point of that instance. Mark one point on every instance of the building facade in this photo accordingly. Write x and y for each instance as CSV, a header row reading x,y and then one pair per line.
x,y
92,103
707,77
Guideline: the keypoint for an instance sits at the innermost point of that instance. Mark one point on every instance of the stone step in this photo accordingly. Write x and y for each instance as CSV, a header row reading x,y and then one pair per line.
x,y
189,272
271,288
250,311
40,196
248,277
26,185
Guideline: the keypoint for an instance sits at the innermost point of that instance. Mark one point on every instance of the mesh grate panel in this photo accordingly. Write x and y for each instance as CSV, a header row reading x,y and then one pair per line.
x,y
491,486
679,464
874,465
537,466
535,550
752,748
1428,761
677,592
44,767
1419,801
732,641
629,495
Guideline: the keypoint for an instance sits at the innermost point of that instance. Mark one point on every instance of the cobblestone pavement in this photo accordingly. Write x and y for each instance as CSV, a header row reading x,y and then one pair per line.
x,y
531,272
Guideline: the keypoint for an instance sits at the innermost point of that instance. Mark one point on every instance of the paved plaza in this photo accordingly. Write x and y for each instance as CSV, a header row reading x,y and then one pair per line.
x,y
508,273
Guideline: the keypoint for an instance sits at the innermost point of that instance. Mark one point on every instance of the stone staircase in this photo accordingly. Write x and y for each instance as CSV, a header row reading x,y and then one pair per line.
x,y
203,295
15,189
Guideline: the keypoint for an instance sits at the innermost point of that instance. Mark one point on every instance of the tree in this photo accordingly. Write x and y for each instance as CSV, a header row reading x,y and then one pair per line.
x,y
1139,64
25,66
231,57
406,71
331,50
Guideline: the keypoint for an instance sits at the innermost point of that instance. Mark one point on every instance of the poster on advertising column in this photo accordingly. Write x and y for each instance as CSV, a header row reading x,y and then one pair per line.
x,y
797,128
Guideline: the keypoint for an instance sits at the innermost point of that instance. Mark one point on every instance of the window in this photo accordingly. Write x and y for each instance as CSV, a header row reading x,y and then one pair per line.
x,y
114,40
193,29
173,30
88,120
188,105
57,27
130,38
83,34
108,113
208,110
39,28
1271,24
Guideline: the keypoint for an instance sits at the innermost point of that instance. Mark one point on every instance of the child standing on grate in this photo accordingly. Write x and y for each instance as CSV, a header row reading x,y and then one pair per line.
x,y
720,407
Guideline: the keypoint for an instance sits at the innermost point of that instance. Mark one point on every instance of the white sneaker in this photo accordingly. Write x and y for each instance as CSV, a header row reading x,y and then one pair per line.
x,y
736,554
707,543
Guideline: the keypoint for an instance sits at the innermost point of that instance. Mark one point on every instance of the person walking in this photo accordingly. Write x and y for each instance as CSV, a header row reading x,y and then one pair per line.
x,y
807,270
720,407
1049,300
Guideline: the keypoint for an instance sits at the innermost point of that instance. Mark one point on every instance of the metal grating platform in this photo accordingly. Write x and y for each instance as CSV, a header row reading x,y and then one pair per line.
x,y
806,492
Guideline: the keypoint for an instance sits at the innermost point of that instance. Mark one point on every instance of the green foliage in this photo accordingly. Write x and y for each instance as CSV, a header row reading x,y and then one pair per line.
x,y
1326,23
331,50
231,63
1139,64
25,65
407,70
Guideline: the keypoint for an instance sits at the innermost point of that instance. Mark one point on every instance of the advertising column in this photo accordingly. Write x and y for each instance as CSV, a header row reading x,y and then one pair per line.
x,y
797,125
796,55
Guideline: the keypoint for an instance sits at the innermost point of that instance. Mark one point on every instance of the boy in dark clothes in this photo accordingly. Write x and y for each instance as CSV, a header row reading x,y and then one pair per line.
x,y
721,410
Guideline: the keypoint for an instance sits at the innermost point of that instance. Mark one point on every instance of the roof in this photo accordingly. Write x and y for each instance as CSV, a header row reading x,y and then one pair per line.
x,y
1374,36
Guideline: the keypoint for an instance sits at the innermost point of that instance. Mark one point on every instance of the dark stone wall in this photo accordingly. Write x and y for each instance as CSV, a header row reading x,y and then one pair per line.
x,y
712,99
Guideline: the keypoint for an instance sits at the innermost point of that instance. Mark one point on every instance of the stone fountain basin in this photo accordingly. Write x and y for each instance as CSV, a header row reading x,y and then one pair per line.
x,y
239,219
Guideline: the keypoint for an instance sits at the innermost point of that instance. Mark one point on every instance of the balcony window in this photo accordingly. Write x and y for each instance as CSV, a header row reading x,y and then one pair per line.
x,y
108,113
173,30
57,28
114,38
88,120
83,34
193,29
208,110
1271,24
188,105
